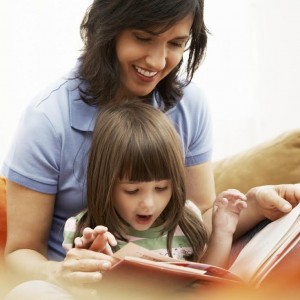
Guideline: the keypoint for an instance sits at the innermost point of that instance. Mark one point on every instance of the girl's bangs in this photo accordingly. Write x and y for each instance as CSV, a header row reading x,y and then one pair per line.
x,y
147,164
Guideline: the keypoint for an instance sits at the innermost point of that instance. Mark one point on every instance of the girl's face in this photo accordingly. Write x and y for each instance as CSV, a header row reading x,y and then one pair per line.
x,y
141,203
146,58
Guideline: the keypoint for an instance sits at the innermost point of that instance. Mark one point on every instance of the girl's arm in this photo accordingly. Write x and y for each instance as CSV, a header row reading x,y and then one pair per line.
x,y
227,209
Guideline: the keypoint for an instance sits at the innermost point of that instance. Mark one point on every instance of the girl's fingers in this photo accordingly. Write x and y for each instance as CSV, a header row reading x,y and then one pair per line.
x,y
111,239
86,239
100,229
78,243
234,194
98,239
100,244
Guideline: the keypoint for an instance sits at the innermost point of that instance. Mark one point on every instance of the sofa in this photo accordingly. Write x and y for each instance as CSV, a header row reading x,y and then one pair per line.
x,y
272,162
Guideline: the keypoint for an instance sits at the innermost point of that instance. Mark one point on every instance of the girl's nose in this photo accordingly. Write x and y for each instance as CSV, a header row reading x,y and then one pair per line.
x,y
156,58
147,201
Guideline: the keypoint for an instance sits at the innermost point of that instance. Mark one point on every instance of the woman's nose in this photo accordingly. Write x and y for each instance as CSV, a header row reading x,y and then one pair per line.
x,y
156,58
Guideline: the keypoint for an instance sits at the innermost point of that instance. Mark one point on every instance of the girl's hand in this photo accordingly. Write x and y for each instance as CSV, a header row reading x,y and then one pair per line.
x,y
98,239
227,208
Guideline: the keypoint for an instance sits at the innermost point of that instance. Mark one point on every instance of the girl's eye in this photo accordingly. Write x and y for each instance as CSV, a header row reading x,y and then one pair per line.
x,y
161,188
131,192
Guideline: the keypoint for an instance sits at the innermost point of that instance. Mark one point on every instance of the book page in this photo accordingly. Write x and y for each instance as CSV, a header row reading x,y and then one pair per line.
x,y
263,245
134,250
139,255
275,259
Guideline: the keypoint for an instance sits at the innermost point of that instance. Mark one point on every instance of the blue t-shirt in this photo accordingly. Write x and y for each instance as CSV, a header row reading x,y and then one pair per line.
x,y
50,150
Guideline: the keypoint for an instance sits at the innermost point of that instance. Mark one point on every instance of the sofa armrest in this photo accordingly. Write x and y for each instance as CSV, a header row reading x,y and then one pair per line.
x,y
276,161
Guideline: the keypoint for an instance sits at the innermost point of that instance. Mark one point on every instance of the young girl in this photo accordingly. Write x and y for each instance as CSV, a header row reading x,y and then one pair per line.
x,y
136,188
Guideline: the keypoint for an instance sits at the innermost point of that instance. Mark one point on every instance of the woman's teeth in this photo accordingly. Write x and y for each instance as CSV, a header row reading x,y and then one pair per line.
x,y
144,72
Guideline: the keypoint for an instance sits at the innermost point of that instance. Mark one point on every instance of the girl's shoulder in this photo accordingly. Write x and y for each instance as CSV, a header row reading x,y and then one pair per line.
x,y
192,206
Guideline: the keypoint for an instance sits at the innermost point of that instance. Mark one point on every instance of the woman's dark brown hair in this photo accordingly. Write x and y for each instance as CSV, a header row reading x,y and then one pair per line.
x,y
134,141
102,24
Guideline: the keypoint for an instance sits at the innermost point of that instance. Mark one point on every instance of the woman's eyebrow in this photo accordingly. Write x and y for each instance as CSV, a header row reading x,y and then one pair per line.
x,y
182,37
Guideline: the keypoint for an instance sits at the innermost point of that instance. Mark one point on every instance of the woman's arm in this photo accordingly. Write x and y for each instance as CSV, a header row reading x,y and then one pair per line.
x,y
201,190
29,216
201,185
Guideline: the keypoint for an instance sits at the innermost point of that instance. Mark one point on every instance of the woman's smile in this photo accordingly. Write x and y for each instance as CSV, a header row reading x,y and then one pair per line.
x,y
145,73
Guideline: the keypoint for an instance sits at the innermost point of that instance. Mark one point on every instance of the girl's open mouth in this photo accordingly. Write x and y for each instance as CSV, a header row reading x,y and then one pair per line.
x,y
144,219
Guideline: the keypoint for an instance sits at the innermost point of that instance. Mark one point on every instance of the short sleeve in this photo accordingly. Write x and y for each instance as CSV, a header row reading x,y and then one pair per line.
x,y
34,157
192,119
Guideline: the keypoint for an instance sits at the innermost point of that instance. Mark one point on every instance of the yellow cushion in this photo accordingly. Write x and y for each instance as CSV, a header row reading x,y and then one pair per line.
x,y
3,223
273,162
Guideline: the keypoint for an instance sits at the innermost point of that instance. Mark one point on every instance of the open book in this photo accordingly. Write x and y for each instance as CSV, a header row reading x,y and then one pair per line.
x,y
143,268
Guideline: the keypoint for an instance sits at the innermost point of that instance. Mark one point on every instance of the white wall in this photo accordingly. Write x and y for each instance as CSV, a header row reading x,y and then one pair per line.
x,y
40,41
250,74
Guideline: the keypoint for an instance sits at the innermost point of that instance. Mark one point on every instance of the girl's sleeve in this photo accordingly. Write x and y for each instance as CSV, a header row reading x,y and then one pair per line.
x,y
69,233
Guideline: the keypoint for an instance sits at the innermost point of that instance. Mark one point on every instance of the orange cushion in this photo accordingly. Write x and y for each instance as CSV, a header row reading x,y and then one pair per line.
x,y
3,224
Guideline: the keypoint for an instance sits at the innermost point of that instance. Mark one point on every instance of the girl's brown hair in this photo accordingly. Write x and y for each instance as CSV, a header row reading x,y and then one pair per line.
x,y
103,23
136,141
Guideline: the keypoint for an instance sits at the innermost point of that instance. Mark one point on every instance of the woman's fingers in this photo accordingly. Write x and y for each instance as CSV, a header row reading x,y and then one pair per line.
x,y
84,266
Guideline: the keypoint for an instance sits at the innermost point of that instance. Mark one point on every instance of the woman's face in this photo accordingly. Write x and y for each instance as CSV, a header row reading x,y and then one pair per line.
x,y
146,58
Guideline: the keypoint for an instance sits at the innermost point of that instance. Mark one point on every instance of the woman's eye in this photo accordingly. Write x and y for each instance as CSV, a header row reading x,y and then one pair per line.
x,y
177,44
142,38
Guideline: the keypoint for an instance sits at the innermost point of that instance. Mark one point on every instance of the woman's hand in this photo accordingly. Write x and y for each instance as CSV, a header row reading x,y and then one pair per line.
x,y
82,271
275,200
85,264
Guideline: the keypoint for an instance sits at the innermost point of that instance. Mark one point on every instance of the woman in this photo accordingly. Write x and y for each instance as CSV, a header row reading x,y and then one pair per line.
x,y
132,48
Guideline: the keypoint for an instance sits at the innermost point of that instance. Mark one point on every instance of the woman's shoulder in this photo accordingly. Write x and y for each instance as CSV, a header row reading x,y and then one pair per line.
x,y
193,104
61,105
194,95
193,99
57,93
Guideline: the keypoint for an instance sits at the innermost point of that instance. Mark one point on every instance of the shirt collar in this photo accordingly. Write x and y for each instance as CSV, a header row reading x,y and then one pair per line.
x,y
82,115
